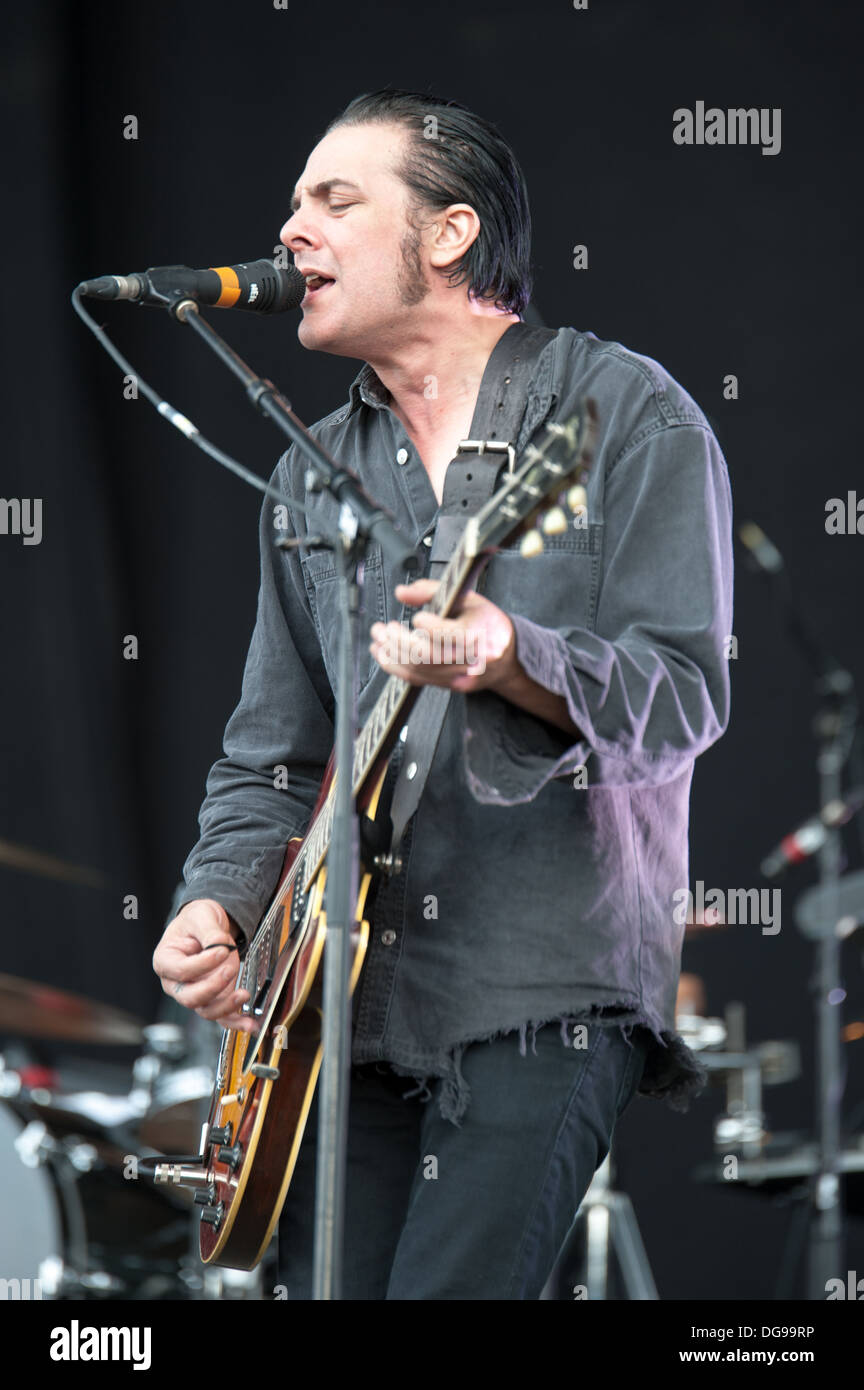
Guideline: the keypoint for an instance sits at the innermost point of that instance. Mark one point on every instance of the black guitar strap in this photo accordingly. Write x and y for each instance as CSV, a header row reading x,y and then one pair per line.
x,y
469,483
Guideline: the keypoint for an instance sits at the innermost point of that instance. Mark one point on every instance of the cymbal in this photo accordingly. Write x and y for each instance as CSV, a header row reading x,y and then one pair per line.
x,y
31,1010
33,861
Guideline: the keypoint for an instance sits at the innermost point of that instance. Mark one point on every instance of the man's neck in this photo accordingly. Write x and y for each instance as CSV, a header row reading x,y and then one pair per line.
x,y
437,378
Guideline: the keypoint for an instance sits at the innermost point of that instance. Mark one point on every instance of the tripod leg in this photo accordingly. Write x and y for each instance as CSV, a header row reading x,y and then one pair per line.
x,y
597,1228
627,1241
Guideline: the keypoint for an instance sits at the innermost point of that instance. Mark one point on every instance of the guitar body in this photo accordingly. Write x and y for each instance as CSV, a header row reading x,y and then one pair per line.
x,y
265,1117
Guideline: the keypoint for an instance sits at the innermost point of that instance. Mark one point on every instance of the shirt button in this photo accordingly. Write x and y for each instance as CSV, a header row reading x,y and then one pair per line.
x,y
402,456
427,540
388,937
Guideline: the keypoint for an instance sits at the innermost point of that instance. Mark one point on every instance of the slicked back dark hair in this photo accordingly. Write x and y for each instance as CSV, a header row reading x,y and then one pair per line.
x,y
454,156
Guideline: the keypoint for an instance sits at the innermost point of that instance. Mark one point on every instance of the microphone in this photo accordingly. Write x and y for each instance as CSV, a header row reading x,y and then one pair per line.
x,y
261,286
811,836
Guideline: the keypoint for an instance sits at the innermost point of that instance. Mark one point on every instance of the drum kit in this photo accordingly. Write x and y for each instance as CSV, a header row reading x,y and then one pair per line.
x,y
79,1220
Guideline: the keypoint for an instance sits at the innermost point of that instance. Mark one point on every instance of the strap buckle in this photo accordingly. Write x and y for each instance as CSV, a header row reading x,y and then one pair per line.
x,y
493,446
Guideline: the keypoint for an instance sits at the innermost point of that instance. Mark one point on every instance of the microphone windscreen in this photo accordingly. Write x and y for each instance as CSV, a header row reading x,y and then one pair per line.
x,y
268,288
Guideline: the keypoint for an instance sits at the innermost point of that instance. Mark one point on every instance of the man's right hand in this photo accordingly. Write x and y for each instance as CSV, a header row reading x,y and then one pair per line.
x,y
200,978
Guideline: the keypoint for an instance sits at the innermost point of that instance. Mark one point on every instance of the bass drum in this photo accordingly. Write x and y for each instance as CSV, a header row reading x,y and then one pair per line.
x,y
29,1216
76,1221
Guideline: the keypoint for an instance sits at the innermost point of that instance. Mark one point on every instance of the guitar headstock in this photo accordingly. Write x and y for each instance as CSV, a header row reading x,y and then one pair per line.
x,y
546,492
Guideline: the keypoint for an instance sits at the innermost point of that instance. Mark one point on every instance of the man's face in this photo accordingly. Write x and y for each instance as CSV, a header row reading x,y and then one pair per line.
x,y
350,223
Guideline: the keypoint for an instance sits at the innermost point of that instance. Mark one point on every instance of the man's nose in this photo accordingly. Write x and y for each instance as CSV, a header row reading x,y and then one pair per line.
x,y
296,231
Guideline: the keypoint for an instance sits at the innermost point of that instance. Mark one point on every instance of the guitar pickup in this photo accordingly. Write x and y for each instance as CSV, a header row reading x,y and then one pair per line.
x,y
256,1005
259,984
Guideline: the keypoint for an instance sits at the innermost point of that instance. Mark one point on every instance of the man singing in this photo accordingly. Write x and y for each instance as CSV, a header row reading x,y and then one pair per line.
x,y
520,982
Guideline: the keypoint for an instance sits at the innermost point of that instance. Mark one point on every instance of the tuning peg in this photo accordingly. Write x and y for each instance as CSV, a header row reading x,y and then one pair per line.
x,y
532,544
554,522
577,497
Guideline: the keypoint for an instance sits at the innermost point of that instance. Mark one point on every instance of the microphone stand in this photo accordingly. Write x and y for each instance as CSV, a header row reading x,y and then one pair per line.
x,y
359,519
372,521
835,726
340,897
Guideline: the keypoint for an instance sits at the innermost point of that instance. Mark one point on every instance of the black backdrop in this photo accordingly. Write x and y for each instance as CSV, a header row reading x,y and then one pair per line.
x,y
714,260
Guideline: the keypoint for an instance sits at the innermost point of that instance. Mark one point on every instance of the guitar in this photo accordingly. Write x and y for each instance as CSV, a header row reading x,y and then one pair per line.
x,y
265,1081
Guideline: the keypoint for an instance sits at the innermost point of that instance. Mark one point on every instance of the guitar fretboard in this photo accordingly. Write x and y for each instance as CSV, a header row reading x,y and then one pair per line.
x,y
380,727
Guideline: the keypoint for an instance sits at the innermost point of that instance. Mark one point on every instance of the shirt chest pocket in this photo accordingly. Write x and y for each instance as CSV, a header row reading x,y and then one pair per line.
x,y
322,587
557,588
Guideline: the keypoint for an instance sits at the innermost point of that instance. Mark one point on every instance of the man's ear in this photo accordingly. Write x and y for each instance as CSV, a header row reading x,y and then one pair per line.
x,y
452,232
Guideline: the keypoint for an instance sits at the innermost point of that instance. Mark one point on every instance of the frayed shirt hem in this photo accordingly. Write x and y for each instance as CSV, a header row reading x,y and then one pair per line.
x,y
672,1072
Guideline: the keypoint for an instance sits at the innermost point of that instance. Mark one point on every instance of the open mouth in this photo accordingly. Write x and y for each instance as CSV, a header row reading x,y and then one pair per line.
x,y
315,284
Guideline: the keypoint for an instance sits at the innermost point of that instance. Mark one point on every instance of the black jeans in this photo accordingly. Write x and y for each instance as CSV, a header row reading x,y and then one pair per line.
x,y
480,1211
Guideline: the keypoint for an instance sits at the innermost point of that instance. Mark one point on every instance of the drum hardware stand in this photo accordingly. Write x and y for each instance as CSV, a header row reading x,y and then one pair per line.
x,y
164,1044
746,1069
742,1126
609,1223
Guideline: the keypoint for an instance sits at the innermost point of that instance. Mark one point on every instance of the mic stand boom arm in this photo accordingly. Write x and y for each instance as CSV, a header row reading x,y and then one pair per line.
x,y
372,521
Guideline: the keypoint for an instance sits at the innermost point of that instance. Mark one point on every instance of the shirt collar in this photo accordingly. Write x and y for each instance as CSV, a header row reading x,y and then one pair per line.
x,y
368,387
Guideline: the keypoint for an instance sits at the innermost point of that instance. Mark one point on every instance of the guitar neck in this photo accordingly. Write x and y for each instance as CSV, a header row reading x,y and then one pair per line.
x,y
378,736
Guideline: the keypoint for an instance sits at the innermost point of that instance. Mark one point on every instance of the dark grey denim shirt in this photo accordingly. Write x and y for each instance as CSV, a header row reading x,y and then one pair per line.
x,y
523,899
